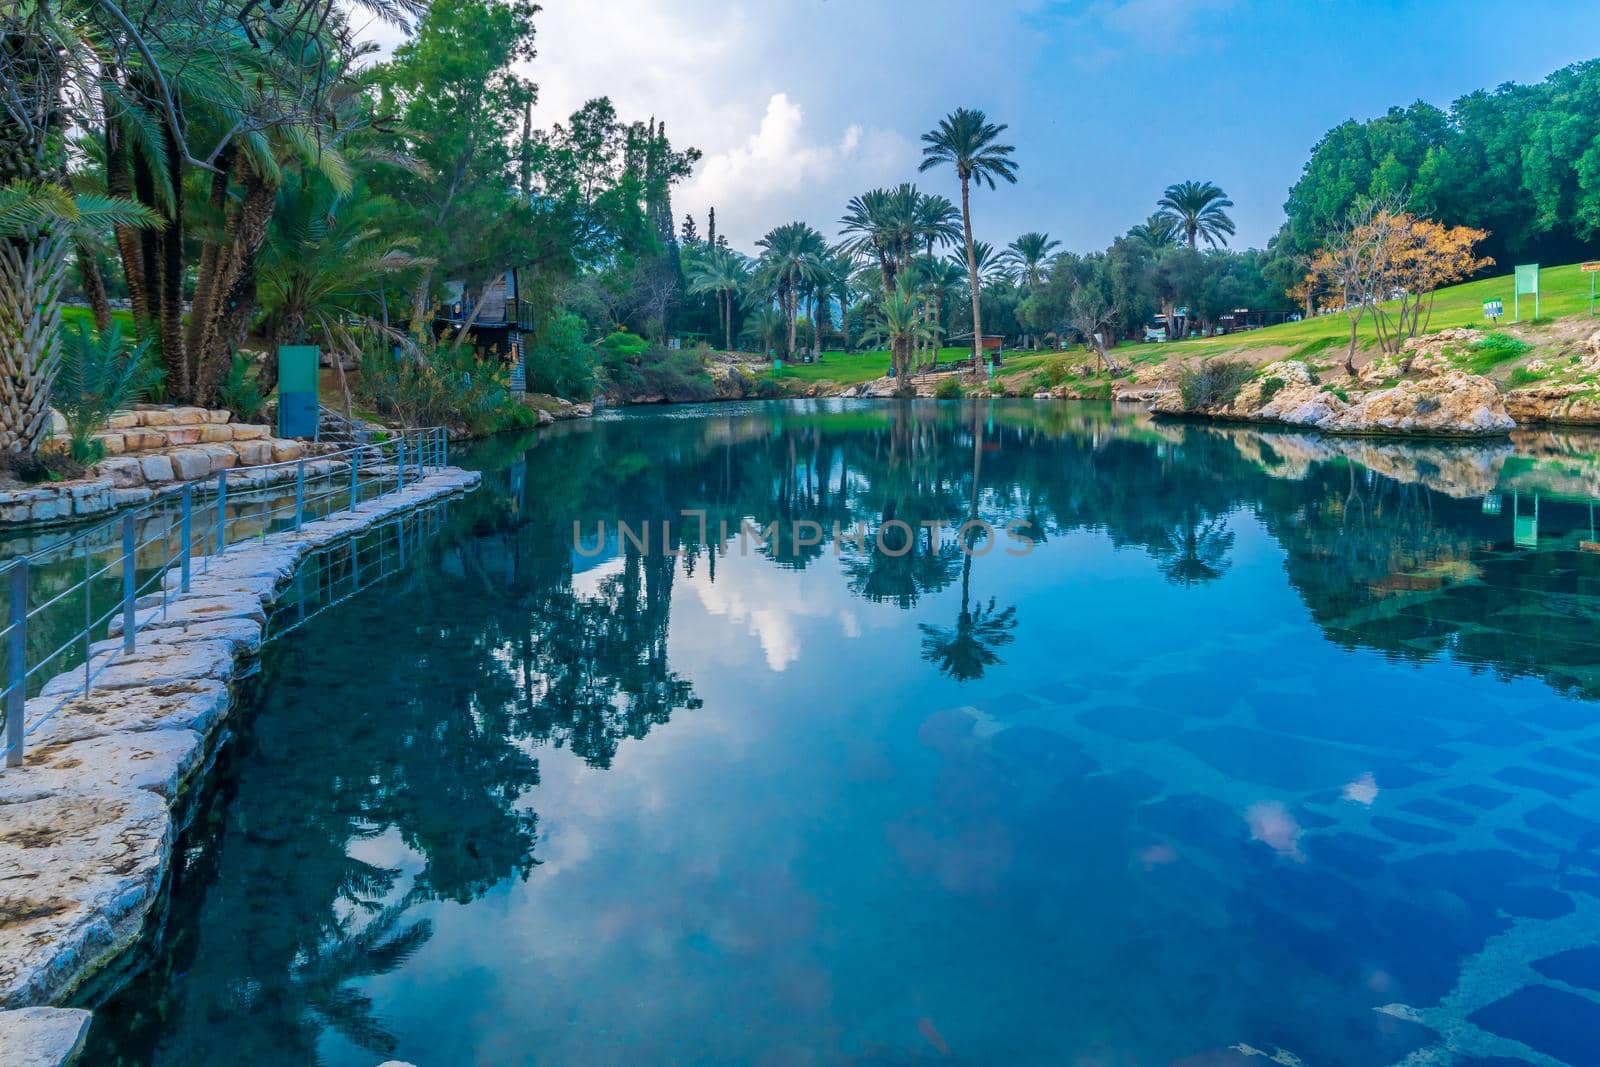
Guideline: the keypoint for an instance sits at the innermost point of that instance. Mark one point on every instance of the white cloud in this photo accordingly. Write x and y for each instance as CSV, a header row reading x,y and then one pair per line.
x,y
776,172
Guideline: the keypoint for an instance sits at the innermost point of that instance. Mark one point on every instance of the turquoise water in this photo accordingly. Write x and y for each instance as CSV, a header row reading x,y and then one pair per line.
x,y
1271,749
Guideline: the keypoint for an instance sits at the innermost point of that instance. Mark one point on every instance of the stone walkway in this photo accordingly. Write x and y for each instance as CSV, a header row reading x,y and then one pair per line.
x,y
87,826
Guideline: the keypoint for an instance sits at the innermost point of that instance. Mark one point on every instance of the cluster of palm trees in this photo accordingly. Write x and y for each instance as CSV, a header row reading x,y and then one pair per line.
x,y
887,264
904,256
1188,212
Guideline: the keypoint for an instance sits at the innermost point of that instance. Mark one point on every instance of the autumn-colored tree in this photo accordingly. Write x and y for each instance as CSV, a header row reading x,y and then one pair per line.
x,y
1389,263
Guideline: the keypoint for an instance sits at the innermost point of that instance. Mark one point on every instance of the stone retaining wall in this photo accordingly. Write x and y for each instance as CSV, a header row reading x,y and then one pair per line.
x,y
87,826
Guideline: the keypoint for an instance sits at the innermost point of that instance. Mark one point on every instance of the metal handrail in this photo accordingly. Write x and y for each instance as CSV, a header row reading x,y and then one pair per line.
x,y
385,464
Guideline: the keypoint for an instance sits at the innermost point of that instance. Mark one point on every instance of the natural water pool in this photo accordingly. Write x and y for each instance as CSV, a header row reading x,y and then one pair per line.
x,y
1266,733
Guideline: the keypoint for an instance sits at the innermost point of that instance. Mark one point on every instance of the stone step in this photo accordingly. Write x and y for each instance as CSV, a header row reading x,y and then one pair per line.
x,y
190,463
135,439
159,415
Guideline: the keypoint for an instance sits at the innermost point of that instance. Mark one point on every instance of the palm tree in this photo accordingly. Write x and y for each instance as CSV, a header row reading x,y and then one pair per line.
x,y
899,321
40,226
324,252
940,278
725,273
1199,210
1029,257
1156,232
789,252
885,225
966,140
839,268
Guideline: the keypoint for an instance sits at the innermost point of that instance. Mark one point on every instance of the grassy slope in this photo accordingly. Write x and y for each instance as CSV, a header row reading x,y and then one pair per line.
x,y
1565,292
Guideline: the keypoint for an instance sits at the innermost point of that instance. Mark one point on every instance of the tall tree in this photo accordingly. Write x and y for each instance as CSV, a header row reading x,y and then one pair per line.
x,y
966,140
789,253
1199,210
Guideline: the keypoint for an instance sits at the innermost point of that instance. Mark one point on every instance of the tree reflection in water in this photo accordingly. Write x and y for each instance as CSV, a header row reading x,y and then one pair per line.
x,y
389,756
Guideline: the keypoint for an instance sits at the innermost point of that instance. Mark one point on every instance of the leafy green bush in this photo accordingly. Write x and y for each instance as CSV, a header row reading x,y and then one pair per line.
x,y
1270,388
947,389
634,368
1056,370
560,361
1493,349
240,392
1213,383
437,385
98,376
1522,376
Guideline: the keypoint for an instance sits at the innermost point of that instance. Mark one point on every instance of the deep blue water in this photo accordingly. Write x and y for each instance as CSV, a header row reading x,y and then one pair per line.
x,y
1270,747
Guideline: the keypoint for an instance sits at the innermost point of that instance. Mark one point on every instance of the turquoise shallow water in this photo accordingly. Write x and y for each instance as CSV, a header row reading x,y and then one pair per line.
x,y
1270,747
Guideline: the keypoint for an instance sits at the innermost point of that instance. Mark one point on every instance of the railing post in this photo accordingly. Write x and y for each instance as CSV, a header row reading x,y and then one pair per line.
x,y
401,464
16,663
299,493
444,447
355,476
187,533
127,583
222,510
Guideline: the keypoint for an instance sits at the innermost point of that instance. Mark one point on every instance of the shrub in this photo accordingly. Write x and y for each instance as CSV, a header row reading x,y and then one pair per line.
x,y
1491,350
1270,388
240,392
1523,376
1213,383
99,375
1056,370
635,368
559,361
947,389
437,385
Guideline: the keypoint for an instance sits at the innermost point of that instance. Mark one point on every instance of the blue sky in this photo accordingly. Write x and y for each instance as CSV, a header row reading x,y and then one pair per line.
x,y
798,104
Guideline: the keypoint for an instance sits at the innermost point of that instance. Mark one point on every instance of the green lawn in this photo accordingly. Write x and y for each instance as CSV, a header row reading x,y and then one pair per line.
x,y
84,317
851,368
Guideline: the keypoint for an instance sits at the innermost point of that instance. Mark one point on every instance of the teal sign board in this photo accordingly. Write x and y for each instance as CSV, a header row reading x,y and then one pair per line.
x,y
298,407
1527,284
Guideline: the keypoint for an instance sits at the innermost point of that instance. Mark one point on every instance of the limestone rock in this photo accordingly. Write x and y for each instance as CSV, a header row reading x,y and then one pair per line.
x,y
124,471
196,704
182,417
190,464
244,431
157,468
1452,404
160,761
149,664
43,1037
1573,403
79,872
194,607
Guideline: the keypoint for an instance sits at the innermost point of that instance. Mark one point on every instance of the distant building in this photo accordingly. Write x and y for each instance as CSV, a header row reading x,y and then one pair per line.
x,y
500,324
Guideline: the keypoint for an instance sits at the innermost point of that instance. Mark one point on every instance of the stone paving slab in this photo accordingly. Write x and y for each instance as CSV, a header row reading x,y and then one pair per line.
x,y
197,704
78,873
149,664
242,634
43,1037
86,827
161,761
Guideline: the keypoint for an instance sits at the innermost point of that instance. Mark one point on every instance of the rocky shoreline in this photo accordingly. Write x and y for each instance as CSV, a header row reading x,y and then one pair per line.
x,y
88,824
